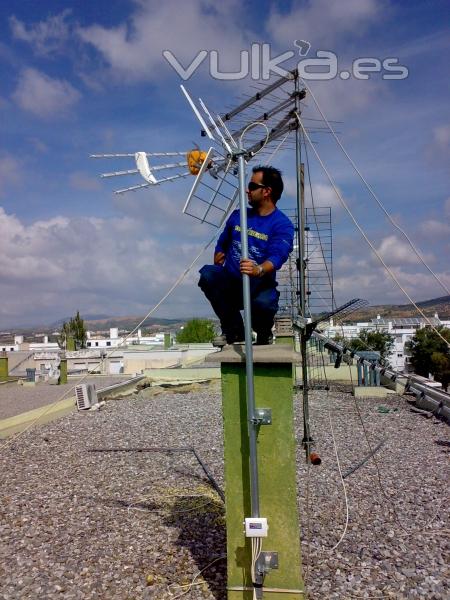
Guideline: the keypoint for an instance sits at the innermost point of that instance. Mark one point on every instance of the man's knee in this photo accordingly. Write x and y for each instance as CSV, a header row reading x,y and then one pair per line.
x,y
266,302
210,276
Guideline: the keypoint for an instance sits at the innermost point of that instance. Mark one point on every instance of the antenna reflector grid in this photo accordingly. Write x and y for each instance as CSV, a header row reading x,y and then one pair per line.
x,y
214,191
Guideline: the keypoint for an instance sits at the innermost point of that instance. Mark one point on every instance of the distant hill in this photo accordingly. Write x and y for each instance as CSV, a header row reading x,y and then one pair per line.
x,y
130,323
59,323
105,322
441,306
100,322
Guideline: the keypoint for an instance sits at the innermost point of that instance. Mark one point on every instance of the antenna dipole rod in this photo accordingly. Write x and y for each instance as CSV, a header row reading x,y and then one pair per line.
x,y
251,416
265,116
256,97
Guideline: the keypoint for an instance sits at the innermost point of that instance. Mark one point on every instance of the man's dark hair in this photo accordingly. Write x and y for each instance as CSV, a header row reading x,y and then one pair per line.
x,y
271,178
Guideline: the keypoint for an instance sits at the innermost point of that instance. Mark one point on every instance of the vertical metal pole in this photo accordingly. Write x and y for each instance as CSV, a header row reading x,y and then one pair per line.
x,y
252,427
307,440
293,298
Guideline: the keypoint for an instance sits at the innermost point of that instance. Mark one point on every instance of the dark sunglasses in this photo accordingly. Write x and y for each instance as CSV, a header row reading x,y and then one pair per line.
x,y
252,186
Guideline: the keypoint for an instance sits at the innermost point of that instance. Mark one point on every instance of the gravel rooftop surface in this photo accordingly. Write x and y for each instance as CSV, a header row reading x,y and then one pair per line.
x,y
128,526
16,399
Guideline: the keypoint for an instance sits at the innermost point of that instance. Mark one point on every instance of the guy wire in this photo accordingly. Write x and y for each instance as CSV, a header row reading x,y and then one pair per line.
x,y
373,194
361,230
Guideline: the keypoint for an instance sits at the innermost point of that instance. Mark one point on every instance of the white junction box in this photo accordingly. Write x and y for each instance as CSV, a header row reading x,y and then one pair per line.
x,y
256,527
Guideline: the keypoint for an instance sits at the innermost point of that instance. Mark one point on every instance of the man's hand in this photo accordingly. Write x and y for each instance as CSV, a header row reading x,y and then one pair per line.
x,y
219,258
249,267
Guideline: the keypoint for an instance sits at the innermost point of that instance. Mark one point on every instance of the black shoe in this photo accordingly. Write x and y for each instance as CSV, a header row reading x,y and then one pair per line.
x,y
222,340
236,339
264,340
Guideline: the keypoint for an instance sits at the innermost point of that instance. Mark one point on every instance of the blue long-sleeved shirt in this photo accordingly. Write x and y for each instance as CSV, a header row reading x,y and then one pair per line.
x,y
270,237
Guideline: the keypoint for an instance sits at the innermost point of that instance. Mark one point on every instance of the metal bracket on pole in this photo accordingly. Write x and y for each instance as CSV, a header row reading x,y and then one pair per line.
x,y
263,416
267,560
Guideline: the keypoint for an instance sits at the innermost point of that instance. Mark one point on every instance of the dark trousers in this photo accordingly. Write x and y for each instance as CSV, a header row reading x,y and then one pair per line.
x,y
224,291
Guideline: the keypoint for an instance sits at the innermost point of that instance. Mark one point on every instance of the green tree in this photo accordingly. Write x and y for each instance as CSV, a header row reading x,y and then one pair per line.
x,y
197,330
373,340
73,334
430,354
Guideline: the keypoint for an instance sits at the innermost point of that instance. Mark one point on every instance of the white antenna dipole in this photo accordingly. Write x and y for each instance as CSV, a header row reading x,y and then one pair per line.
x,y
197,113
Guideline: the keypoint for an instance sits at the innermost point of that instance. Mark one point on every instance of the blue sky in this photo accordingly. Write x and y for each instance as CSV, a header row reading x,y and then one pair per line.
x,y
79,78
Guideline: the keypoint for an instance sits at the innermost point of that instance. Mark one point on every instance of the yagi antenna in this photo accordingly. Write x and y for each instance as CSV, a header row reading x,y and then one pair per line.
x,y
213,199
147,171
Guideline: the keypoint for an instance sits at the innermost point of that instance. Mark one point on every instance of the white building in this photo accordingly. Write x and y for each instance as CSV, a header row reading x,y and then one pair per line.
x,y
401,329
20,345
114,340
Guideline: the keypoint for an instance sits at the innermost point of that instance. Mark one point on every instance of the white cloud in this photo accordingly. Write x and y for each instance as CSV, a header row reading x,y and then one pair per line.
x,y
44,96
433,228
133,50
324,195
447,207
438,149
45,37
441,136
397,252
52,267
9,172
38,145
322,21
355,277
376,286
354,95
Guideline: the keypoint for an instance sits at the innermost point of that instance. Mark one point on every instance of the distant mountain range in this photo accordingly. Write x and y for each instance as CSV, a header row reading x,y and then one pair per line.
x,y
100,322
130,323
105,322
441,306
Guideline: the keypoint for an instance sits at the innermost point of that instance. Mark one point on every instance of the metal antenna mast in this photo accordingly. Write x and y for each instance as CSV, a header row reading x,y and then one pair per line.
x,y
301,222
251,412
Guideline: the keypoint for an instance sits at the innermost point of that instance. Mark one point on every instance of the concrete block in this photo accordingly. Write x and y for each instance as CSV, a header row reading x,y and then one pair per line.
x,y
276,469
363,391
272,354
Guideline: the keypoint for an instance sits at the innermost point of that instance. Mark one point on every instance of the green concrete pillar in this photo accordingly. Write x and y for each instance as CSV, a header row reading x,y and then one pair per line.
x,y
285,339
3,366
167,340
276,470
63,370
